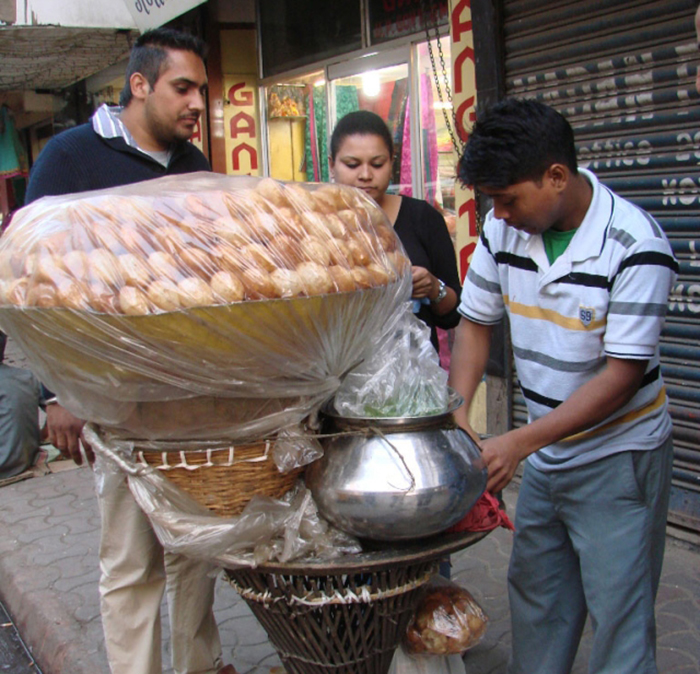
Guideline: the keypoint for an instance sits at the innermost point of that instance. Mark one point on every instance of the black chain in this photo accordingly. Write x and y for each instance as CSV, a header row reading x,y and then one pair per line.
x,y
430,18
451,124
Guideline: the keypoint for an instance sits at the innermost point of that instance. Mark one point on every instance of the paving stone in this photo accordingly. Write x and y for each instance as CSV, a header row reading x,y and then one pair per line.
x,y
678,661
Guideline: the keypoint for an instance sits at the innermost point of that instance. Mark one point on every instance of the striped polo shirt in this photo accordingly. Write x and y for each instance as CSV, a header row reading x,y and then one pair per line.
x,y
606,295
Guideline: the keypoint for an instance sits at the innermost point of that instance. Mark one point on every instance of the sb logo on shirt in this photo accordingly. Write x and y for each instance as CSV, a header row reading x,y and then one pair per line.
x,y
587,315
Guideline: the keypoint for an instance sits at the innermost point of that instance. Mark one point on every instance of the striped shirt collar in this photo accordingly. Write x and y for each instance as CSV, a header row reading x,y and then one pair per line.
x,y
107,123
594,225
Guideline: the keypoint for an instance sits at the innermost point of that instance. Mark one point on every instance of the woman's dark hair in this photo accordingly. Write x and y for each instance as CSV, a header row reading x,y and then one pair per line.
x,y
514,141
149,54
362,123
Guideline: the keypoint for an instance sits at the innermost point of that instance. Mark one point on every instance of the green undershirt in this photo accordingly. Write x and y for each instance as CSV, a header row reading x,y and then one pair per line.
x,y
555,242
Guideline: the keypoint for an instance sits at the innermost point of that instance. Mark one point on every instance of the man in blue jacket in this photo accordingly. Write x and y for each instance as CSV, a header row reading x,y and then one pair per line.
x,y
146,137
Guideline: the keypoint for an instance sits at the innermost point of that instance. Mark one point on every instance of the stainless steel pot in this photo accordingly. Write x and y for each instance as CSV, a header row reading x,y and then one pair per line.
x,y
396,478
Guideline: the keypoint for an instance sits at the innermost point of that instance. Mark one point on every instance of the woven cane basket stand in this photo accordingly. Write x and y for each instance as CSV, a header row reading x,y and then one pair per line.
x,y
347,615
223,480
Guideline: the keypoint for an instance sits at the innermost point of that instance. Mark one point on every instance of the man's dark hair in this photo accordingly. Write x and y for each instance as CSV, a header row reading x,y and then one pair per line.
x,y
515,141
150,54
363,123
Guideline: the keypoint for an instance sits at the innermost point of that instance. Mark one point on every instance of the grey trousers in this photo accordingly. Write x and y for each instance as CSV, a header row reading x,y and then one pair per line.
x,y
589,540
19,420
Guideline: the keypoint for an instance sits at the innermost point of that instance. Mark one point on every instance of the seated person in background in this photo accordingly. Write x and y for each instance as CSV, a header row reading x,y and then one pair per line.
x,y
362,155
19,417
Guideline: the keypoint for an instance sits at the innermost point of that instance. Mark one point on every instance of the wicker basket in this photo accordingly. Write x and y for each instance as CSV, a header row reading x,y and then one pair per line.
x,y
223,480
344,623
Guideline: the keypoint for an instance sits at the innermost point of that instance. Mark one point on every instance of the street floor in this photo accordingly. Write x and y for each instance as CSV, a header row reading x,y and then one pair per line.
x,y
14,655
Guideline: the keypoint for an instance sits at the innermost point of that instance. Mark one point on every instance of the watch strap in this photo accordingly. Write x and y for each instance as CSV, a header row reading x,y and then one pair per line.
x,y
442,293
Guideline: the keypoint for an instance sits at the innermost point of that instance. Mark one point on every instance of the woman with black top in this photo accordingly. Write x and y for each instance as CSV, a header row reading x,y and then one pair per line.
x,y
362,155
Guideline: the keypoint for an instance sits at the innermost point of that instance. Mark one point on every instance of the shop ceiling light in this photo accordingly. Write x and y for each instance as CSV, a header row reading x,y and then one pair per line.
x,y
370,83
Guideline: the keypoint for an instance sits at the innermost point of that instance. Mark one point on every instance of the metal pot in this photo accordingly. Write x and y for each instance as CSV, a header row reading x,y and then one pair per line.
x,y
396,478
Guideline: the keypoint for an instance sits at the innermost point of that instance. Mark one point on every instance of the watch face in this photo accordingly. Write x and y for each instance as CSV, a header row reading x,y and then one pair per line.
x,y
441,293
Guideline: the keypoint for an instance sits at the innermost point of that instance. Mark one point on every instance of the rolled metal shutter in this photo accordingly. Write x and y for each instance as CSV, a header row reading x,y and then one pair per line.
x,y
623,73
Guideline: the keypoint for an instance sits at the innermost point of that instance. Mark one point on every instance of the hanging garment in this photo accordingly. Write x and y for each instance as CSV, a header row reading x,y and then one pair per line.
x,y
13,157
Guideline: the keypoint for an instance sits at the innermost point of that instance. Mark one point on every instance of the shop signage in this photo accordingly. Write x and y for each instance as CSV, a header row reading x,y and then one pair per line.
x,y
241,123
196,138
464,100
149,14
393,18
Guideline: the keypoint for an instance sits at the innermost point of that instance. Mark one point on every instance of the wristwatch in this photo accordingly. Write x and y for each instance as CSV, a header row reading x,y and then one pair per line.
x,y
442,293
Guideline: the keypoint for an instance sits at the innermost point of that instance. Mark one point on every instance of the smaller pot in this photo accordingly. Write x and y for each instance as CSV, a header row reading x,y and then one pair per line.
x,y
398,478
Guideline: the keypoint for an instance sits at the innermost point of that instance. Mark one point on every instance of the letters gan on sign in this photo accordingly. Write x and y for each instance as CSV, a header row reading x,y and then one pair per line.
x,y
464,75
241,126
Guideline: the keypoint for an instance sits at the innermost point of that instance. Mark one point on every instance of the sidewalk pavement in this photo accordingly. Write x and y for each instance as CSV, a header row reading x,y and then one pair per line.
x,y
49,575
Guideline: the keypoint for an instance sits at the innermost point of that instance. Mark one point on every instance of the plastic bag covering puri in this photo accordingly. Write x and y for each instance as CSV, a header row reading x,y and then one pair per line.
x,y
402,378
200,306
268,529
448,620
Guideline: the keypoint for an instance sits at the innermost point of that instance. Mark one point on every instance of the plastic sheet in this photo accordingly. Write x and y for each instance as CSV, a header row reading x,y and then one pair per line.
x,y
267,529
448,620
200,306
293,447
402,378
406,663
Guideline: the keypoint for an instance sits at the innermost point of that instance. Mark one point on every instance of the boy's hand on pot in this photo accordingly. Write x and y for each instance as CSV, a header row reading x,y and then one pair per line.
x,y
502,456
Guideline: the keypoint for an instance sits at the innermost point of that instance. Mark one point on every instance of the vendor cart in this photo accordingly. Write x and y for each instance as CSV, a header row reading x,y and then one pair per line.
x,y
200,323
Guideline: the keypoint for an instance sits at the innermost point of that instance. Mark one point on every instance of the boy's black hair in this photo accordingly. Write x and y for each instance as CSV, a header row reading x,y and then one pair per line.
x,y
515,141
149,54
363,123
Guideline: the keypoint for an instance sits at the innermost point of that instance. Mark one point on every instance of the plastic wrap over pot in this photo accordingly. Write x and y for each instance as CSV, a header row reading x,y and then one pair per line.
x,y
190,305
401,378
268,529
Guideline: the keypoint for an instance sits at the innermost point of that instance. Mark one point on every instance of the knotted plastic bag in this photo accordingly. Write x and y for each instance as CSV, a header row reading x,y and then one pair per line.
x,y
448,620
402,378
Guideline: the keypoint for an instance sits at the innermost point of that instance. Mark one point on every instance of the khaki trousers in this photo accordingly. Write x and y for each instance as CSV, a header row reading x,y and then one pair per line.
x,y
135,572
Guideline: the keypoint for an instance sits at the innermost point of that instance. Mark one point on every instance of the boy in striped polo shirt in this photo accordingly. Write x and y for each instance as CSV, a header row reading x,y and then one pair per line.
x,y
584,277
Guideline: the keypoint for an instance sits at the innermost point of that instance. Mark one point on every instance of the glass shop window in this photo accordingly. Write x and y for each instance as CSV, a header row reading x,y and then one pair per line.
x,y
440,155
384,91
298,138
